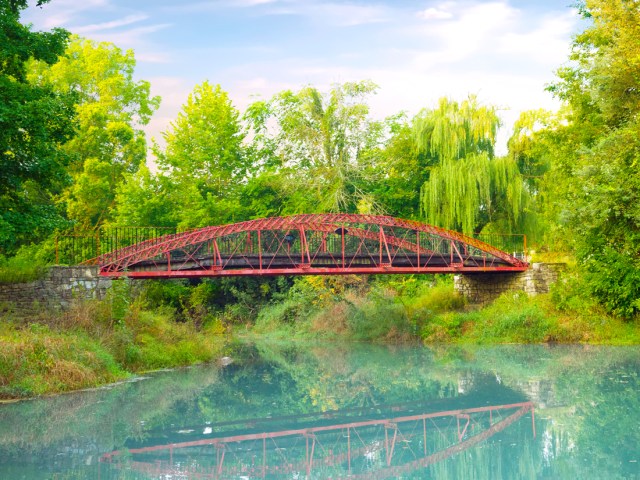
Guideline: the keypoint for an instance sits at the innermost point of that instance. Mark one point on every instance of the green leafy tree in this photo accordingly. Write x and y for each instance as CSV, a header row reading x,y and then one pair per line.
x,y
34,122
142,200
111,108
317,143
468,187
597,151
396,170
204,163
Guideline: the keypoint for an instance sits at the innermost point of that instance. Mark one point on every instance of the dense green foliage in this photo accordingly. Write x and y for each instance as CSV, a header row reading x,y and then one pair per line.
x,y
111,109
34,122
404,309
318,146
591,153
467,188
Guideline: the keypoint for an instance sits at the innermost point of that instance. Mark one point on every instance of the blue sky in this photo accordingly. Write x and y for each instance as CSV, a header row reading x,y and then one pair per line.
x,y
504,51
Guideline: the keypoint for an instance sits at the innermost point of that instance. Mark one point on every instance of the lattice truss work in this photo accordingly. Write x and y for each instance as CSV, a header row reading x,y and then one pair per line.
x,y
309,244
367,448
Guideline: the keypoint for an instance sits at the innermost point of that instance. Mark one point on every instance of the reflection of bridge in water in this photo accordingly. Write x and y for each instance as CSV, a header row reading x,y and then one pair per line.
x,y
366,448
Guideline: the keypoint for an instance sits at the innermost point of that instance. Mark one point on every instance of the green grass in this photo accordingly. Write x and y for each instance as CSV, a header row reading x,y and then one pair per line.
x,y
36,360
20,270
405,308
87,346
518,318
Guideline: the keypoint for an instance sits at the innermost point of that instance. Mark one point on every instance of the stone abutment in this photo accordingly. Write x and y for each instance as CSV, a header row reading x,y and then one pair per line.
x,y
55,291
482,288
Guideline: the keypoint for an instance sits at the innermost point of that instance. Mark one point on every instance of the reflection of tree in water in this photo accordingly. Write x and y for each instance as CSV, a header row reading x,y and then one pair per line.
x,y
75,428
588,411
590,402
609,427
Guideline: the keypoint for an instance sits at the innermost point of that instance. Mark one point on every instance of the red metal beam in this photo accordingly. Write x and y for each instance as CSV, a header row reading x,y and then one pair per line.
x,y
308,271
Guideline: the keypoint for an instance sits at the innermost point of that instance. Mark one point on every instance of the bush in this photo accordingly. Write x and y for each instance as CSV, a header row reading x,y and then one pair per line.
x,y
614,279
379,320
26,266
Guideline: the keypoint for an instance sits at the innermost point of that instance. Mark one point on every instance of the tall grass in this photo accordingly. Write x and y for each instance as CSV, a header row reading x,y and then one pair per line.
x,y
35,360
354,308
97,342
20,270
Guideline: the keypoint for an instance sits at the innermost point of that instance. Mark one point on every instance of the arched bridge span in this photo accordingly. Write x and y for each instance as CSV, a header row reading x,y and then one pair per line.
x,y
314,244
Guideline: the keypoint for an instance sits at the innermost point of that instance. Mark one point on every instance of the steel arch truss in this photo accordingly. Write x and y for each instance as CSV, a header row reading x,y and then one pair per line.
x,y
315,244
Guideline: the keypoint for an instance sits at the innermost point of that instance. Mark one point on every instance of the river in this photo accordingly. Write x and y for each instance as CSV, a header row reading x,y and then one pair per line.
x,y
293,411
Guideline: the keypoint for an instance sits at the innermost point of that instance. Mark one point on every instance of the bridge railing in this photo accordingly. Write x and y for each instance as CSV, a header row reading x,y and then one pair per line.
x,y
512,243
76,248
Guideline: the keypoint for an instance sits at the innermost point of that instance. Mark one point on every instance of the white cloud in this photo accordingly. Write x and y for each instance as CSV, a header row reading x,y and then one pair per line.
x,y
493,33
121,22
61,12
344,15
132,38
547,43
152,57
433,13
209,6
251,3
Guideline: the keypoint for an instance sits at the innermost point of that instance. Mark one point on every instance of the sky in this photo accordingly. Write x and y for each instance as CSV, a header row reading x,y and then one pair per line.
x,y
416,51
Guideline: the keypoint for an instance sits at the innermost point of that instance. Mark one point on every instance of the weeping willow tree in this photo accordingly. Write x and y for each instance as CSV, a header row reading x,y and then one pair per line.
x,y
468,187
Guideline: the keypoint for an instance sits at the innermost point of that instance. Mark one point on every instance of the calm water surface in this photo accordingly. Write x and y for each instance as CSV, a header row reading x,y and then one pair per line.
x,y
293,411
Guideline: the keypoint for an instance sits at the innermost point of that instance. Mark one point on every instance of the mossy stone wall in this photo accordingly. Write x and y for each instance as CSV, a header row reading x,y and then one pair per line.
x,y
482,288
55,291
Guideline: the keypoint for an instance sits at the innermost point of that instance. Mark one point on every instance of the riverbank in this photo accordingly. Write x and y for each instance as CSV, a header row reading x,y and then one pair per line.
x,y
172,324
429,310
93,344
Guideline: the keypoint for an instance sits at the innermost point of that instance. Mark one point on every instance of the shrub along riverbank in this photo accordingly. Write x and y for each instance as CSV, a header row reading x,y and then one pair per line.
x,y
428,309
95,343
174,323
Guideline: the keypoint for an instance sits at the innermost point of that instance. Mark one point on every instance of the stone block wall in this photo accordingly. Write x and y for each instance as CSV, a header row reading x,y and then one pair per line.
x,y
482,288
53,292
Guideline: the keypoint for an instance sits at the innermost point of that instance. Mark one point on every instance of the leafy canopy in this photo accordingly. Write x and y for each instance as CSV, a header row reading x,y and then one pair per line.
x,y
204,165
317,143
111,109
467,187
34,122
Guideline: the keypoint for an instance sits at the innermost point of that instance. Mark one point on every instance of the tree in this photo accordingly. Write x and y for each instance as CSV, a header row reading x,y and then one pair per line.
x,y
142,200
595,152
111,109
396,170
468,187
204,161
318,144
34,122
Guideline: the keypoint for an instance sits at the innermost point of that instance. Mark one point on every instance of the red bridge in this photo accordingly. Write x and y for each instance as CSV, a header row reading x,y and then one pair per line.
x,y
318,244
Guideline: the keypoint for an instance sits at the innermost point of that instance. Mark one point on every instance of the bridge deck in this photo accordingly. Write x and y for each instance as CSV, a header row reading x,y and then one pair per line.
x,y
326,264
